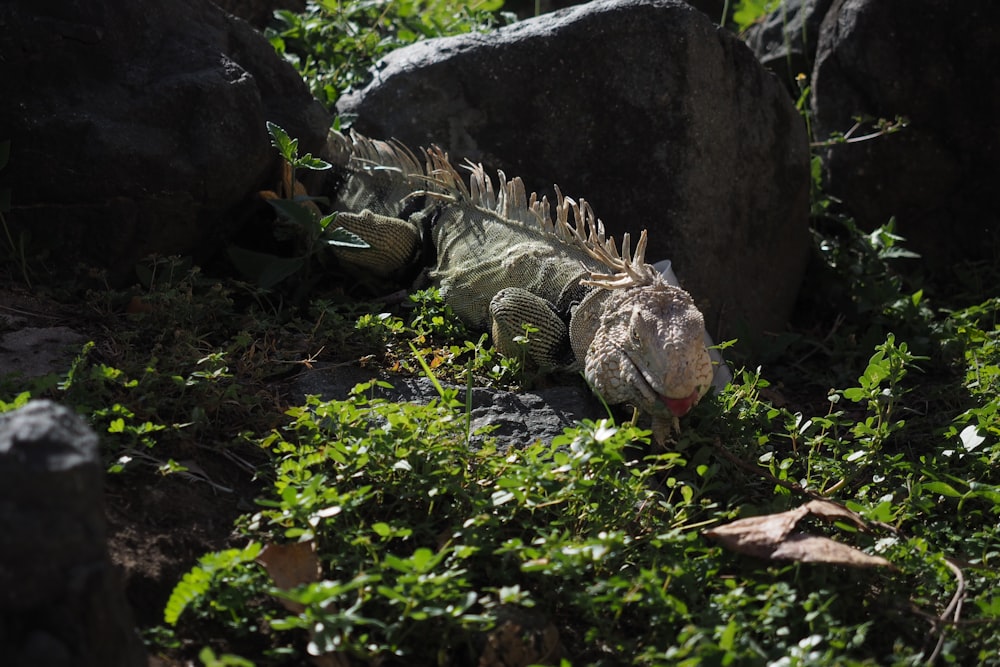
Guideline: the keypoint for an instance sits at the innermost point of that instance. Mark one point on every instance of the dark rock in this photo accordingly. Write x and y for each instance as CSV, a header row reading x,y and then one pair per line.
x,y
258,13
526,9
137,126
934,63
785,41
656,115
719,11
36,351
61,601
518,419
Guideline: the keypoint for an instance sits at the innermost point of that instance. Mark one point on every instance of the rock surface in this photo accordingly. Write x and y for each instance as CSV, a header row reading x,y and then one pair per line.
x,y
61,601
137,126
36,351
649,110
518,418
935,64
785,41
258,13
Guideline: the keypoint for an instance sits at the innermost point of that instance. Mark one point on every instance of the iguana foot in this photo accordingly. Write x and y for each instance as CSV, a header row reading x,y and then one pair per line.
x,y
547,344
395,243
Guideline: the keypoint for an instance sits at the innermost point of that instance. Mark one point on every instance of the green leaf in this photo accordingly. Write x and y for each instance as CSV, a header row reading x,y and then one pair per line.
x,y
748,12
898,253
423,559
855,394
19,401
941,488
264,269
295,211
209,659
876,372
727,639
287,146
307,161
192,586
197,582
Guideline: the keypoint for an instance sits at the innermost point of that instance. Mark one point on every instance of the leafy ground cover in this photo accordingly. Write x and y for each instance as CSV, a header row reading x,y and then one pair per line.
x,y
261,527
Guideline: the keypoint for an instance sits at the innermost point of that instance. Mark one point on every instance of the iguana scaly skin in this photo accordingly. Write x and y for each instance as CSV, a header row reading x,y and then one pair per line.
x,y
502,259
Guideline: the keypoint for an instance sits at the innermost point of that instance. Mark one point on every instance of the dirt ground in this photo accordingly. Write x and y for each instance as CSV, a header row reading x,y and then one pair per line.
x,y
158,525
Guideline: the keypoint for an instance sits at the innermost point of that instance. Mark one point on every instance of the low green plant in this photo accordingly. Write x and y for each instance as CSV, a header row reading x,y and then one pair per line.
x,y
332,44
205,580
425,543
178,362
426,528
209,659
432,328
310,232
748,12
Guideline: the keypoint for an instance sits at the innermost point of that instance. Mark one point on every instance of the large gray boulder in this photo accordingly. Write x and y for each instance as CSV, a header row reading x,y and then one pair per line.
x,y
661,119
138,126
935,63
61,599
716,10
259,13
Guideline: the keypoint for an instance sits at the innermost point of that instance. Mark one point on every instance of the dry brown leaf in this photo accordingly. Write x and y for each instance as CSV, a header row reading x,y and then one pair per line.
x,y
757,535
804,548
291,565
770,536
829,511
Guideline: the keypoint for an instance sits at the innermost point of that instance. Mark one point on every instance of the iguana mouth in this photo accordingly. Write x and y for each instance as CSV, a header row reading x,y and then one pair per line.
x,y
681,406
678,406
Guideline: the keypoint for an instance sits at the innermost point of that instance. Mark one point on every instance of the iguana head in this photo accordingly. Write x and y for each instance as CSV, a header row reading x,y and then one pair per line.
x,y
648,350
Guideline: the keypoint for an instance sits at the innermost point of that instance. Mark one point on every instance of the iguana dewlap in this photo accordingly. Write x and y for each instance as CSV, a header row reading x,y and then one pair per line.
x,y
503,260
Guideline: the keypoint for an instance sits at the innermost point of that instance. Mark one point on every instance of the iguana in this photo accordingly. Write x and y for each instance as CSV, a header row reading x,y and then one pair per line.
x,y
502,259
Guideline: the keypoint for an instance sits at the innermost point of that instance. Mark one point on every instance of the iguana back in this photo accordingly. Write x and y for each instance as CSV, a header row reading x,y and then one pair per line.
x,y
479,242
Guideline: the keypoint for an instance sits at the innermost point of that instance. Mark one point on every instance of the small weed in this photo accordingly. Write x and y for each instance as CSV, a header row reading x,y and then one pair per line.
x,y
431,328
748,12
880,388
302,223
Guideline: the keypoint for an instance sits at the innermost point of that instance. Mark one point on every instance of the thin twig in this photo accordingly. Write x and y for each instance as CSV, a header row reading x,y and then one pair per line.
x,y
951,613
849,138
754,470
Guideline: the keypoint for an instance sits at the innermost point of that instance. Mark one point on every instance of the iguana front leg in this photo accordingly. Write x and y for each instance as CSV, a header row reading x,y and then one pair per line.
x,y
510,310
395,243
